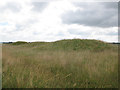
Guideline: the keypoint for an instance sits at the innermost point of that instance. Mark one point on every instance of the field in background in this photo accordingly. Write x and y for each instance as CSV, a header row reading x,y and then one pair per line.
x,y
62,64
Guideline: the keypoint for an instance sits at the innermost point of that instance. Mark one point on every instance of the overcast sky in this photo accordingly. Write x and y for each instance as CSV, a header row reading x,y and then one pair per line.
x,y
30,20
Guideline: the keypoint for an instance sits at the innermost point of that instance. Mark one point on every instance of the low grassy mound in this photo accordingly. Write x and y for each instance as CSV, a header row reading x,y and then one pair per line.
x,y
74,44
80,44
19,43
68,45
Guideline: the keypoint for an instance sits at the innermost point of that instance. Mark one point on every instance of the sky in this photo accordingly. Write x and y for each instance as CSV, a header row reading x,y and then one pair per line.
x,y
32,20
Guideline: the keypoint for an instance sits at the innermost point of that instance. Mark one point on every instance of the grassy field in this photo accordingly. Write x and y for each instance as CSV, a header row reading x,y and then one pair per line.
x,y
62,64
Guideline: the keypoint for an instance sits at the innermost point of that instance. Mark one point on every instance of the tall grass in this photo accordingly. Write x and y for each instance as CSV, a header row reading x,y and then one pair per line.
x,y
59,65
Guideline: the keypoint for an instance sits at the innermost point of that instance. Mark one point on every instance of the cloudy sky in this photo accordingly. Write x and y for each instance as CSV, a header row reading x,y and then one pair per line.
x,y
30,20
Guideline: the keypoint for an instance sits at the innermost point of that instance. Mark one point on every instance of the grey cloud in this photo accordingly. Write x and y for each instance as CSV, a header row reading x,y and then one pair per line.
x,y
60,34
14,7
112,33
36,33
110,5
87,33
19,27
93,14
78,32
119,16
39,6
26,24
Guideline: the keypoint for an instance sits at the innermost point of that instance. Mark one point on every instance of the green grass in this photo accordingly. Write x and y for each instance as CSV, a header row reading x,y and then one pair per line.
x,y
62,64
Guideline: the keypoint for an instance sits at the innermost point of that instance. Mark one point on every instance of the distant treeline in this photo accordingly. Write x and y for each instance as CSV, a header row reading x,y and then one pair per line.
x,y
114,43
12,42
6,42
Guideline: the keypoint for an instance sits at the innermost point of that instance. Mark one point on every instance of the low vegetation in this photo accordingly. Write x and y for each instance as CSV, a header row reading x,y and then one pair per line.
x,y
74,63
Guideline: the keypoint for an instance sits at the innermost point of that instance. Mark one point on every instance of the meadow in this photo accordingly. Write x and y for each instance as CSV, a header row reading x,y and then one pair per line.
x,y
74,63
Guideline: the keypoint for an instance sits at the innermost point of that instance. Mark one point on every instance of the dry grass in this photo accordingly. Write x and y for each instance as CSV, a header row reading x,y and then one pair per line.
x,y
28,68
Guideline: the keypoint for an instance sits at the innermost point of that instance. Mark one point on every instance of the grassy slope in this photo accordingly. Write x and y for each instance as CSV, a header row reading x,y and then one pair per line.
x,y
65,63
